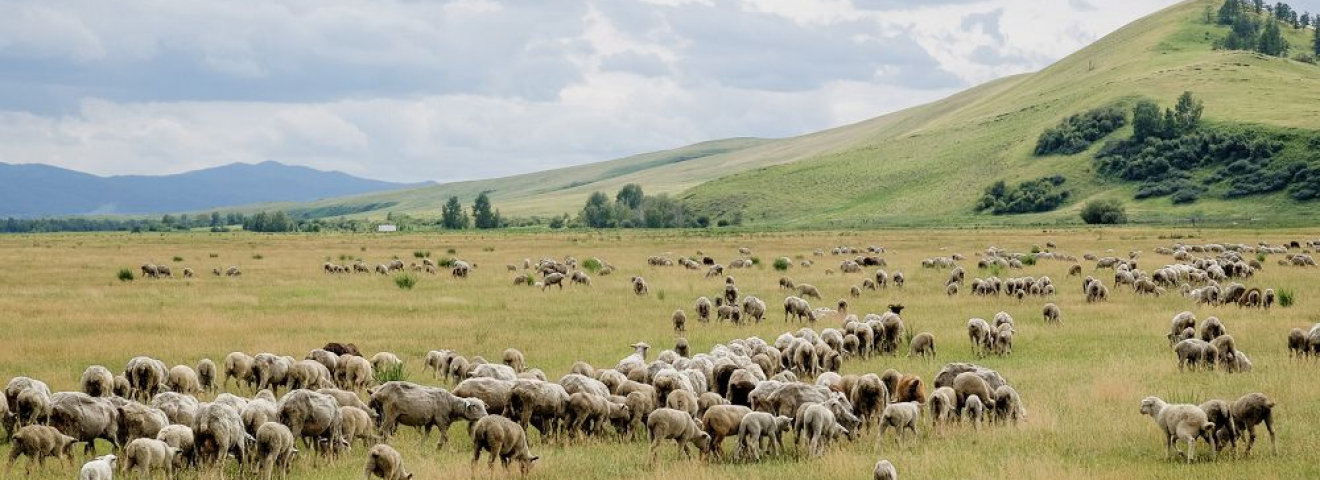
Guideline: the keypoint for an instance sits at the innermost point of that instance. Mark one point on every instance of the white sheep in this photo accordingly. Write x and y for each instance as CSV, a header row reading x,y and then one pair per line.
x,y
1180,421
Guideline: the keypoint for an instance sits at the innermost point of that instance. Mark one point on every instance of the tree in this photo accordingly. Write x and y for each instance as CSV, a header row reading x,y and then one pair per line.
x,y
1146,120
1315,44
215,219
1229,12
1104,212
1272,42
598,212
483,216
1187,114
630,196
452,215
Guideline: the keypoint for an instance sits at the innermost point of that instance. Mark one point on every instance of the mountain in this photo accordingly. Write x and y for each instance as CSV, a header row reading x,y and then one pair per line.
x,y
34,190
929,165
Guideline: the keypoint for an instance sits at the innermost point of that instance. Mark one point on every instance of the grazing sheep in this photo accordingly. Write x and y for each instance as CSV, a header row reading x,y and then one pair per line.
x,y
85,418
97,381
703,308
148,454
403,403
1180,422
180,437
901,416
680,321
357,423
818,423
513,358
669,424
1194,352
206,374
100,468
238,365
357,373
639,286
178,408
1220,413
1008,405
539,404
588,413
1211,329
1052,314
503,439
720,421
38,442
275,449
553,279
967,384
183,379
808,291
385,462
139,421
1297,344
757,425
974,411
923,345
314,418
1251,410
146,376
980,335
884,471
492,392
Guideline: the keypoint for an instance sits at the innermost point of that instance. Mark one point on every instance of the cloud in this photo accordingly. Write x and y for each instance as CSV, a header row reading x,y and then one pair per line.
x,y
416,90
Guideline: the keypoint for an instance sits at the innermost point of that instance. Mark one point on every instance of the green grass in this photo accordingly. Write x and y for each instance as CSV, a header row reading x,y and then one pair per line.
x,y
405,281
1081,381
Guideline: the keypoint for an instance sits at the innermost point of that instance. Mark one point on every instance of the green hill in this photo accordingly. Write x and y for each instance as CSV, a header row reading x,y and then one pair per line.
x,y
930,164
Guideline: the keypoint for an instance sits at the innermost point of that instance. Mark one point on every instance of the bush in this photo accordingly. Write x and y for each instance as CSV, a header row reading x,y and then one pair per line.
x,y
783,264
125,274
178,259
1076,133
446,262
1260,257
451,251
1029,261
756,261
1039,195
391,373
405,281
1185,196
421,254
257,256
592,265
1285,298
1104,212
213,255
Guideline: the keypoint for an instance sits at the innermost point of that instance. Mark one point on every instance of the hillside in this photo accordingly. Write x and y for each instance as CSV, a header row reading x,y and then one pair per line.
x,y
33,190
930,164
934,171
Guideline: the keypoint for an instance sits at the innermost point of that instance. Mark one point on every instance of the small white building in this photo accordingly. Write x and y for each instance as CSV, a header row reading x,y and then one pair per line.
x,y
387,228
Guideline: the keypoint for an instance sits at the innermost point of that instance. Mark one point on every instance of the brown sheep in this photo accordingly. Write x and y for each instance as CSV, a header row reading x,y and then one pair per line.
x,y
503,439
1251,410
910,389
923,345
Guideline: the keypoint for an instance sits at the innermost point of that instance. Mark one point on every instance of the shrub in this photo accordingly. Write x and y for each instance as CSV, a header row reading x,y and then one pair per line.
x,y
257,256
1029,261
530,280
1285,297
1260,257
391,373
1039,195
452,251
213,255
756,261
660,295
1035,249
446,261
783,264
405,281
1104,212
178,258
125,274
1185,196
592,265
421,254
1076,133
487,249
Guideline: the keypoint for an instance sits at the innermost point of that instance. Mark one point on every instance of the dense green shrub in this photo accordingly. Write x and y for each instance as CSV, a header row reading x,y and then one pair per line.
x,y
125,275
1076,133
1104,212
783,263
1039,195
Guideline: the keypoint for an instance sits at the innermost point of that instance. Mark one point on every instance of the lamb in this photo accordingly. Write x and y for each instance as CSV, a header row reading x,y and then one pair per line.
x,y
182,379
180,437
275,449
513,358
757,425
588,413
206,374
820,426
967,384
417,406
680,321
97,381
1052,314
1194,351
721,421
922,345
703,308
1251,410
941,405
1220,413
1008,405
148,454
884,471
669,424
385,361
975,410
385,462
902,416
100,468
504,439
1179,421
38,442
357,423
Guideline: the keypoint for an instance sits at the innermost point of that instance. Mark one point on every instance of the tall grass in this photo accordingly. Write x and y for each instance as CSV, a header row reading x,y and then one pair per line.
x,y
1286,297
125,274
391,373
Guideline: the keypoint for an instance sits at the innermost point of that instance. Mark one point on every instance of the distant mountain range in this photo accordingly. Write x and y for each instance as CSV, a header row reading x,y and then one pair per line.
x,y
36,190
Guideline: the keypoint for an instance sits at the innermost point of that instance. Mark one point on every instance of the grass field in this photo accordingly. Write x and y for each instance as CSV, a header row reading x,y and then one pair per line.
x,y
62,309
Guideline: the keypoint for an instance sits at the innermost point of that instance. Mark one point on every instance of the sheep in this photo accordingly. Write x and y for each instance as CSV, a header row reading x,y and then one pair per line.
x,y
385,462
588,413
941,405
206,374
146,376
414,405
270,370
884,471
799,308
951,289
1051,313
139,421
357,373
720,421
1179,421
97,381
275,449
513,358
1211,329
539,404
580,278
38,442
384,361
922,345
1194,352
1220,413
553,279
820,426
100,468
356,423
639,286
1008,405
1297,344
754,308
902,416
504,439
1003,340
808,291
967,384
703,308
974,411
669,424
148,454
180,437
238,365
183,379
178,408
492,392
757,425
121,387
680,321
980,335
1250,410
313,417
85,418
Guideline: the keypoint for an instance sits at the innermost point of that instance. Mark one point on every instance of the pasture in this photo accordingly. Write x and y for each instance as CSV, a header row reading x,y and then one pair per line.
x,y
62,309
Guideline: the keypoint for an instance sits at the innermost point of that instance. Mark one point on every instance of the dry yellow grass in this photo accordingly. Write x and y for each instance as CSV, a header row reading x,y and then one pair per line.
x,y
62,309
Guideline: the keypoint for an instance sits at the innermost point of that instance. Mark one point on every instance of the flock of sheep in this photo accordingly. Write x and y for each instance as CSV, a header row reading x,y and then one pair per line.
x,y
152,270
749,389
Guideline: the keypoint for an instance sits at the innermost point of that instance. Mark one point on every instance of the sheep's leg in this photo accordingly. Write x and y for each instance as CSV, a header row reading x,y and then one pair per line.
x,y
1251,438
1269,426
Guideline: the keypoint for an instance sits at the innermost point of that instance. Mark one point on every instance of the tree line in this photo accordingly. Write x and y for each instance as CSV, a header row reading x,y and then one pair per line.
x,y
1257,26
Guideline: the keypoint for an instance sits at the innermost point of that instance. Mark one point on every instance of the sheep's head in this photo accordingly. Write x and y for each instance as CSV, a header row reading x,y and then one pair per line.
x,y
1151,406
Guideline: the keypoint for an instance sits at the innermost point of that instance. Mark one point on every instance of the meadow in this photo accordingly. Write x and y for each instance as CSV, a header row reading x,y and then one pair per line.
x,y
62,308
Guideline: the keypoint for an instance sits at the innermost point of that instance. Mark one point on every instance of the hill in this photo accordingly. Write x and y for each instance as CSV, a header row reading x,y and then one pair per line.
x,y
33,190
931,164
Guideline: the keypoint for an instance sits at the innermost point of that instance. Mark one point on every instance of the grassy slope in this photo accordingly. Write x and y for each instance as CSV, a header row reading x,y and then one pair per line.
x,y
933,171
561,190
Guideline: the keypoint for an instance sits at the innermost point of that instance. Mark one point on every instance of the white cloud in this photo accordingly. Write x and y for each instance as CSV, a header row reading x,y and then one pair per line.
x,y
407,90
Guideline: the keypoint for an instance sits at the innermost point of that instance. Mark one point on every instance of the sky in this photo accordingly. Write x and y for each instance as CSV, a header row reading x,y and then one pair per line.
x,y
415,90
